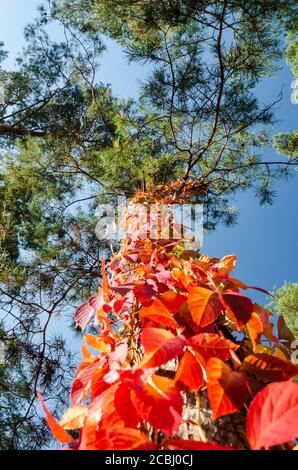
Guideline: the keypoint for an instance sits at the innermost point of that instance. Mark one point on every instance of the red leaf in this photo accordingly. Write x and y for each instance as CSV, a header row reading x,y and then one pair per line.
x,y
83,315
158,313
96,301
189,372
272,417
159,402
82,381
239,308
204,305
178,444
98,384
269,367
160,346
123,439
125,406
58,432
227,389
212,345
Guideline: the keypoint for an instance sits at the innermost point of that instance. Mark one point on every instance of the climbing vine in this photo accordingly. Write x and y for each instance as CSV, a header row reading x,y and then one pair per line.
x,y
173,325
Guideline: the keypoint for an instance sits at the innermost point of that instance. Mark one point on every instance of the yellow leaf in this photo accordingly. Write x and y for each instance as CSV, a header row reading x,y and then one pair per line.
x,y
74,417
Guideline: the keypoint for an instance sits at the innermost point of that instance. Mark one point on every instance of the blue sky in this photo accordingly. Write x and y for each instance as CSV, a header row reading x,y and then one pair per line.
x,y
265,238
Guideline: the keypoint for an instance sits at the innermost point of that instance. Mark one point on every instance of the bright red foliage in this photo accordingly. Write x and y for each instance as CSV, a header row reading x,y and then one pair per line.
x,y
183,326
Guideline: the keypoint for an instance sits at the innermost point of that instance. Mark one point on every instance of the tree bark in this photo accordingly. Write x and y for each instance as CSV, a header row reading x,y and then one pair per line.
x,y
197,423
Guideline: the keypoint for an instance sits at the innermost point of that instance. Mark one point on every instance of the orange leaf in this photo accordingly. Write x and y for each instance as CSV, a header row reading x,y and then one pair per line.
x,y
227,389
189,372
212,345
58,432
272,417
159,313
182,276
74,417
173,300
104,280
255,329
160,346
225,265
204,305
269,367
96,343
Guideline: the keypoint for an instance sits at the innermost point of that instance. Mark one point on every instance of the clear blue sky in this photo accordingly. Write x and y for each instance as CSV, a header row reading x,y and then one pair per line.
x,y
265,239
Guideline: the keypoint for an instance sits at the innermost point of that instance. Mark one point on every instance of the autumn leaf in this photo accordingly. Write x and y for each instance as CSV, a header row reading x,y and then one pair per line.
x,y
268,327
104,280
159,402
212,345
160,346
74,417
96,343
225,265
204,305
269,367
238,306
255,329
283,330
82,382
272,418
159,313
173,300
83,315
227,389
182,276
123,439
189,372
58,432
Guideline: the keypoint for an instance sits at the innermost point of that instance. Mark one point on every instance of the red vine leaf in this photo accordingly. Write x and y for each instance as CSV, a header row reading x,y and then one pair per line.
x,y
160,346
159,313
227,389
269,367
239,308
204,305
58,432
159,402
212,345
189,372
272,417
